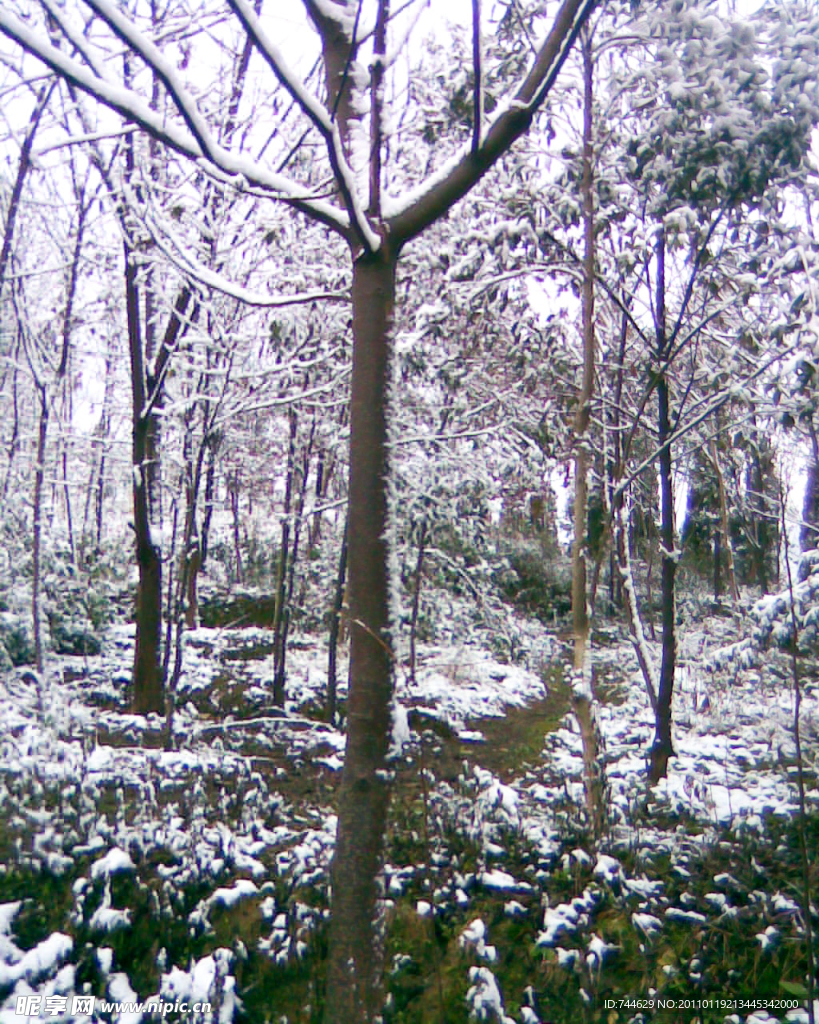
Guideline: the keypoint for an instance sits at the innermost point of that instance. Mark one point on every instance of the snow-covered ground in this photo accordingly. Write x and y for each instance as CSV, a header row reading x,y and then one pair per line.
x,y
237,818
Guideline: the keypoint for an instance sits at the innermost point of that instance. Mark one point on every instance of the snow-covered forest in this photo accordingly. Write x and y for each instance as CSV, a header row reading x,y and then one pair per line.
x,y
409,500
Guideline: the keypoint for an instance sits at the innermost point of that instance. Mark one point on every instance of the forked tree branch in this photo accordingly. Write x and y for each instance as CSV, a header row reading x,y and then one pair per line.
x,y
437,196
226,165
321,119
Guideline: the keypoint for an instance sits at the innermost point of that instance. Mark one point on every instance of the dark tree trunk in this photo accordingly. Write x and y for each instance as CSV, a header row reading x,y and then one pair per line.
x,y
717,559
762,528
14,440
147,678
810,504
294,559
191,598
416,598
210,487
335,624
37,528
68,515
148,683
280,610
354,967
233,492
662,747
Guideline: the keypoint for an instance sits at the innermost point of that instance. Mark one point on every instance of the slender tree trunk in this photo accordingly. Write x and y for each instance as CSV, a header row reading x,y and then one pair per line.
x,y
416,598
582,687
279,610
37,527
644,658
354,959
649,520
170,618
147,679
99,500
14,440
717,561
22,170
810,504
335,624
294,553
725,526
68,516
233,491
210,489
191,597
662,748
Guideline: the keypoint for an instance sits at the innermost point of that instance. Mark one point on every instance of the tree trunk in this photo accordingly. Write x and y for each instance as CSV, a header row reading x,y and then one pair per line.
x,y
810,504
725,526
233,492
354,958
335,624
147,678
294,558
191,597
717,560
279,611
210,487
416,599
37,528
662,748
582,692
14,440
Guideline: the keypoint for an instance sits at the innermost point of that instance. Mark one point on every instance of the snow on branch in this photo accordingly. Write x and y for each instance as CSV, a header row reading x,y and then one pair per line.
x,y
235,168
317,114
425,204
193,269
77,39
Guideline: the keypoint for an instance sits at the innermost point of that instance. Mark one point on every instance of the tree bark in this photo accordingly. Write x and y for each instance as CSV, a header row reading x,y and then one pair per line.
x,y
354,965
279,610
810,503
335,624
725,527
148,686
416,599
662,748
582,692
37,527
233,493
210,489
294,558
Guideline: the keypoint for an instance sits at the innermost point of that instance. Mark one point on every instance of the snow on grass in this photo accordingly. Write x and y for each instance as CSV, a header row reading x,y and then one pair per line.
x,y
112,863
458,683
484,997
208,815
36,962
209,979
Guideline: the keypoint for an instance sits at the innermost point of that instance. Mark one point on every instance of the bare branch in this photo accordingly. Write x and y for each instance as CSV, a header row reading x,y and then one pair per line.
x,y
233,168
437,195
477,74
376,113
320,118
